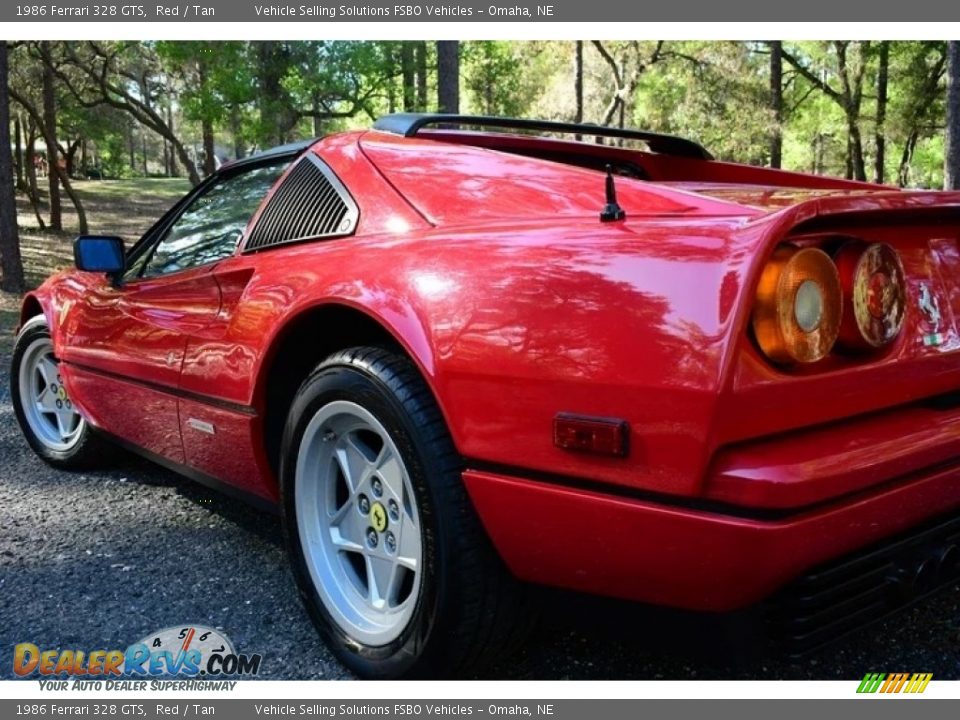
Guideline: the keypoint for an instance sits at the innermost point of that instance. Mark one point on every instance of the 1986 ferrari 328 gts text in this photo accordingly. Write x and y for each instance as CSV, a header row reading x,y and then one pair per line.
x,y
463,355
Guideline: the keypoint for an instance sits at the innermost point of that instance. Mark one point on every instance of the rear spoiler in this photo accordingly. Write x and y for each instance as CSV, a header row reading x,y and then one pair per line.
x,y
409,124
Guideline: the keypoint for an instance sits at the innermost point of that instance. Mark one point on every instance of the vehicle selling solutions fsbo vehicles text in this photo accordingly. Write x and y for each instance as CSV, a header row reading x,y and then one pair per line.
x,y
399,11
334,11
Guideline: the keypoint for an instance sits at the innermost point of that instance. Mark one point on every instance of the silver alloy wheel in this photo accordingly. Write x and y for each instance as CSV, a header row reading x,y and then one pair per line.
x,y
46,405
358,523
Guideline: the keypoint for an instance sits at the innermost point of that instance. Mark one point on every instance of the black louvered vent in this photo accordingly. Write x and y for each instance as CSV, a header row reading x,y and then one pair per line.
x,y
311,203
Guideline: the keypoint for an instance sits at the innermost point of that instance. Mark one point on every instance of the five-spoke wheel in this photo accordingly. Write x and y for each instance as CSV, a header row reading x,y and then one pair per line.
x,y
46,404
358,522
47,414
388,554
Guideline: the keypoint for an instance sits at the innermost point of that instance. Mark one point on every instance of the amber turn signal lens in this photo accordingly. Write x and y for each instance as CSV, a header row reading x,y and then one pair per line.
x,y
874,288
797,313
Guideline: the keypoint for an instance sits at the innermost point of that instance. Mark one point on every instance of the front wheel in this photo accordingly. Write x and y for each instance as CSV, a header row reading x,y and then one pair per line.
x,y
388,554
47,416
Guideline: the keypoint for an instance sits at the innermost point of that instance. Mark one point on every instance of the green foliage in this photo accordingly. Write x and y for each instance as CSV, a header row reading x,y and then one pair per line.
x,y
501,77
715,92
256,94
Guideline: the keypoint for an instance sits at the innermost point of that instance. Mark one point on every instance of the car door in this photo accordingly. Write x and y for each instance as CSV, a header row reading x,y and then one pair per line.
x,y
125,342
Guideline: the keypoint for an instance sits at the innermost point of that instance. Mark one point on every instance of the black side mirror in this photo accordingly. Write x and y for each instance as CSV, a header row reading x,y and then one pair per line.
x,y
100,253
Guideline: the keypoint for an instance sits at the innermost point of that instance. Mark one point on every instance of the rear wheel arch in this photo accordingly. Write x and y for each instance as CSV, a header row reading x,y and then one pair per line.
x,y
305,340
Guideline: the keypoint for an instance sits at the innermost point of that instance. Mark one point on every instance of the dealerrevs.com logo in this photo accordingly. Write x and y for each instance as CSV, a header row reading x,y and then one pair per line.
x,y
190,651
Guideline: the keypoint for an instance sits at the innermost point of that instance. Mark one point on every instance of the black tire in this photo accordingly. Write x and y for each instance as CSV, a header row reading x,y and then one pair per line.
x,y
469,609
87,449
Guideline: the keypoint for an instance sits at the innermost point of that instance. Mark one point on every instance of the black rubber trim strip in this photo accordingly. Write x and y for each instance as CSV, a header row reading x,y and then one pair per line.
x,y
715,507
190,473
166,389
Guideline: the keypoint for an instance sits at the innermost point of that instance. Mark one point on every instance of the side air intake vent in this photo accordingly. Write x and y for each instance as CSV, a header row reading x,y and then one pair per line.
x,y
311,203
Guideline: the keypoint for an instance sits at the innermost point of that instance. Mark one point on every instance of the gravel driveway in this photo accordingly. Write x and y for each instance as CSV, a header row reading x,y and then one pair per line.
x,y
99,560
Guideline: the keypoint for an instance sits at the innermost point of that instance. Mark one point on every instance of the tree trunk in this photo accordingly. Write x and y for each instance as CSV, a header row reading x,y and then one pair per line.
x,y
174,170
71,156
143,147
856,167
30,159
185,160
276,117
50,138
421,62
390,57
206,124
209,151
951,175
317,118
881,135
54,168
903,174
236,130
776,103
448,76
131,146
11,264
578,81
408,72
18,145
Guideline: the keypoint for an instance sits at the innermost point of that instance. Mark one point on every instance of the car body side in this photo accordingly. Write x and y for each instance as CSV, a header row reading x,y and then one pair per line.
x,y
515,306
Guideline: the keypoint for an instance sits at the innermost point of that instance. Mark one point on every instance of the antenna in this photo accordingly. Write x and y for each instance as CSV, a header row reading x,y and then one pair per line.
x,y
611,211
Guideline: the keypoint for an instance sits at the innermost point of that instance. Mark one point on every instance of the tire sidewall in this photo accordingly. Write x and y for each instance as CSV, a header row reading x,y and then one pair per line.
x,y
32,331
410,650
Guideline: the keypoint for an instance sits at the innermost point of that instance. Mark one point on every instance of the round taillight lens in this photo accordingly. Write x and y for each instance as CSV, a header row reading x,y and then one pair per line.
x,y
796,317
873,284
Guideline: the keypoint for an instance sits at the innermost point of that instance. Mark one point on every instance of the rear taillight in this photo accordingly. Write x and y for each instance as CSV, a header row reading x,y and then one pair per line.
x,y
796,317
874,290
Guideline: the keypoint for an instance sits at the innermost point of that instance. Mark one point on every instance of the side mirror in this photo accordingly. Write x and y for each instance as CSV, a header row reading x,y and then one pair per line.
x,y
100,253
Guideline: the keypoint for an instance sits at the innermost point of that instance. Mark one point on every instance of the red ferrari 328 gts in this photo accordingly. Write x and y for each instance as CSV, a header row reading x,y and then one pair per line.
x,y
462,354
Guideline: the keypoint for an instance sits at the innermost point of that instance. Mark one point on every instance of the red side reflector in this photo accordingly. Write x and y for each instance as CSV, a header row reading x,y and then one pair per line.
x,y
603,436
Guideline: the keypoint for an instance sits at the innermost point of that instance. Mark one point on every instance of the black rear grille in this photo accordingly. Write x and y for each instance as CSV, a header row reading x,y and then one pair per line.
x,y
310,203
832,600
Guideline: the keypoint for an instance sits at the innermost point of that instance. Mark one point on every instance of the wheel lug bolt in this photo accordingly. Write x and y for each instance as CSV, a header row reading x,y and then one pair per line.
x,y
377,487
371,537
394,510
59,405
391,542
363,502
329,436
53,387
69,406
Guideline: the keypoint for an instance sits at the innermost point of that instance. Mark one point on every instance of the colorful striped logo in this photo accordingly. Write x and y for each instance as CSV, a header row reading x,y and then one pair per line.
x,y
894,682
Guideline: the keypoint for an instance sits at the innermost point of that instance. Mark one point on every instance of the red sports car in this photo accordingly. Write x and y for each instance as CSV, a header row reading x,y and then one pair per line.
x,y
464,354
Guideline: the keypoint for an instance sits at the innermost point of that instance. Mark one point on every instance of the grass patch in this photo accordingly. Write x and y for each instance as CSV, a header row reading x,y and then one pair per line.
x,y
152,189
114,207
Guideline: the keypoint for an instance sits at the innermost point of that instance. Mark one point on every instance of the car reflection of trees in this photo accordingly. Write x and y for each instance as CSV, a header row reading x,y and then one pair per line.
x,y
210,229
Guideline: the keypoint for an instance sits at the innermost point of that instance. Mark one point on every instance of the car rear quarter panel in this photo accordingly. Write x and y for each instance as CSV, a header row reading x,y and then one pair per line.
x,y
511,324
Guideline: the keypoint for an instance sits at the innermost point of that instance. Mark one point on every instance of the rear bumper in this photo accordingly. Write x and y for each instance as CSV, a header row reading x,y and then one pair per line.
x,y
637,549
862,588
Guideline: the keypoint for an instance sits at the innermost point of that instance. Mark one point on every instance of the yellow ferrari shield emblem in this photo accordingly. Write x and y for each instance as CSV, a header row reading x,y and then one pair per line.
x,y
378,517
